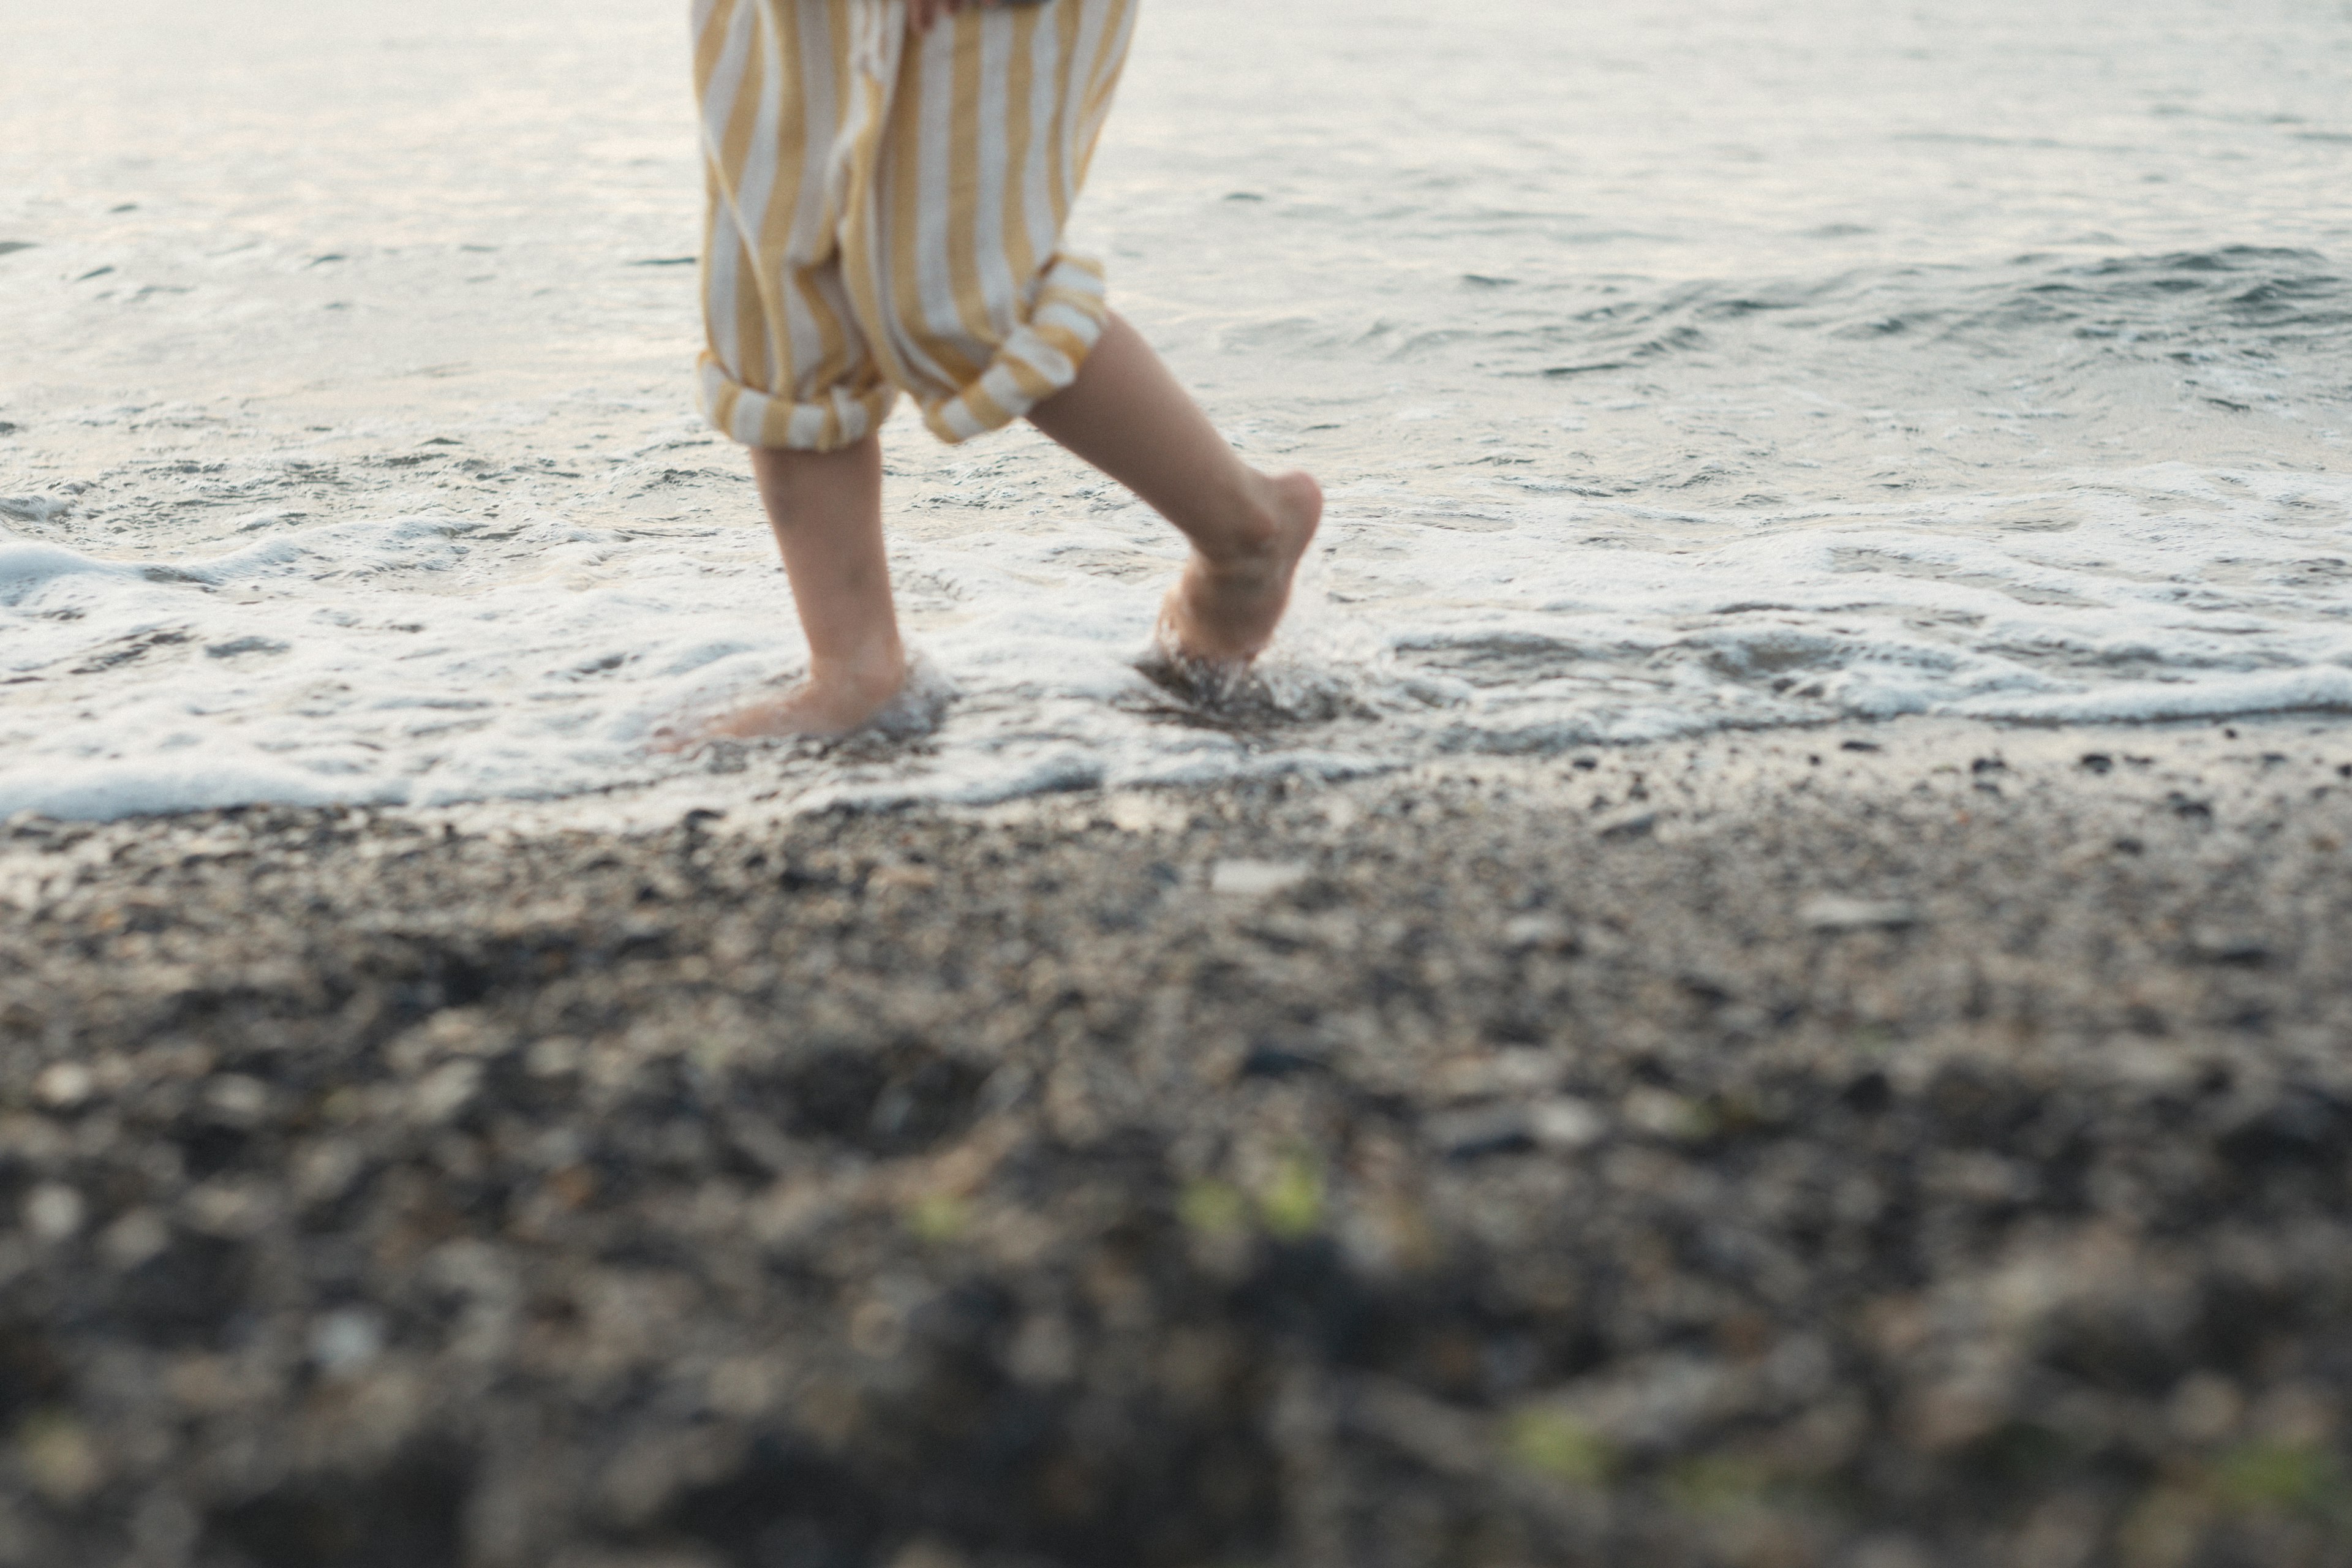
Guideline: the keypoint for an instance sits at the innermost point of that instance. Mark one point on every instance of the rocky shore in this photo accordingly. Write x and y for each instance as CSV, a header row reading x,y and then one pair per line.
x,y
1884,1148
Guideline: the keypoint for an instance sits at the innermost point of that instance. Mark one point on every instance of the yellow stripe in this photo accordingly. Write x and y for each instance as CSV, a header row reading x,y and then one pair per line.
x,y
1111,60
1020,255
752,341
840,358
904,149
991,414
735,137
864,262
712,45
763,313
713,236
1057,136
1031,381
963,176
908,174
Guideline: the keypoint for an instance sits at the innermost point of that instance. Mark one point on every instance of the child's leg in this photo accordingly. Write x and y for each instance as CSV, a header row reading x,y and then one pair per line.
x,y
826,511
1127,415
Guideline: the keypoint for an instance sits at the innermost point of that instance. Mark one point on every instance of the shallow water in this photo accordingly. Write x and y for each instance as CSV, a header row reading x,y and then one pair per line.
x,y
1716,363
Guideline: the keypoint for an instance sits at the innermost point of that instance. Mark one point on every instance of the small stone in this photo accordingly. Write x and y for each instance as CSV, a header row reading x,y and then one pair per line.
x,y
2214,944
237,1099
635,1557
929,1554
2295,1416
1273,1061
2205,1409
1541,933
1890,1551
1481,1131
134,1239
552,1056
1663,1114
346,1340
53,1211
63,1085
1044,1352
1565,1123
447,1091
1255,878
1520,1072
1832,913
229,1209
1628,826
59,1458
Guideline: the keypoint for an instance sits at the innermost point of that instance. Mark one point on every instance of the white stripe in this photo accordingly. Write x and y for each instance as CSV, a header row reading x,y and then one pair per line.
x,y
852,414
750,409
1066,274
805,428
1003,389
760,170
960,421
934,173
721,277
1111,64
999,290
1036,200
726,79
1077,324
808,239
1076,125
1041,357
834,289
719,297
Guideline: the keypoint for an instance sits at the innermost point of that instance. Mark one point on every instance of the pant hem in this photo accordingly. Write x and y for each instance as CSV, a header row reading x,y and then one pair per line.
x,y
840,418
1041,357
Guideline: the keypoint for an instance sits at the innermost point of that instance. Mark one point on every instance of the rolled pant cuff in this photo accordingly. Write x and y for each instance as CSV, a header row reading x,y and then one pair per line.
x,y
839,419
1041,356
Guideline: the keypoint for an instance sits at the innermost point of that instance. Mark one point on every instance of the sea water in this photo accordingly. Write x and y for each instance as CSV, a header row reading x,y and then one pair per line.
x,y
1692,364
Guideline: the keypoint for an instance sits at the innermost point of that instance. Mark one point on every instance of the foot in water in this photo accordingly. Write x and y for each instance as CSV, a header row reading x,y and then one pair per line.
x,y
837,700
1223,611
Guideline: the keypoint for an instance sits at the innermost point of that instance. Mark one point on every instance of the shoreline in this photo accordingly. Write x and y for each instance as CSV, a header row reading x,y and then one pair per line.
x,y
1914,1143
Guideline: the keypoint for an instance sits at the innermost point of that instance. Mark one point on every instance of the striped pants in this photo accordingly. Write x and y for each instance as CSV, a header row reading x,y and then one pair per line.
x,y
887,212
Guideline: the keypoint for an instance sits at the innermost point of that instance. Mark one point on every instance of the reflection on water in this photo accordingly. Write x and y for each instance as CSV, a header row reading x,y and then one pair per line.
x,y
1670,367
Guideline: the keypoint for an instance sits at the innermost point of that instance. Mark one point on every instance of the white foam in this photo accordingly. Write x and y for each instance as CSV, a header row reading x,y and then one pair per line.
x,y
394,660
27,569
104,791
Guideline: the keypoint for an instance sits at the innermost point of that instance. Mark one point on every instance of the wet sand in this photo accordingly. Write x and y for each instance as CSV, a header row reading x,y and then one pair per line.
x,y
1919,1144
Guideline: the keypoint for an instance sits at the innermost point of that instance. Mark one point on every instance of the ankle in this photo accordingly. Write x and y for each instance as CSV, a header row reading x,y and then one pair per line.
x,y
879,664
1247,526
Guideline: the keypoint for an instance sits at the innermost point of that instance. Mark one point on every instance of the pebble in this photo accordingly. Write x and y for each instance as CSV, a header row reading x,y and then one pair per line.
x,y
1833,913
61,1086
441,1196
53,1211
1255,878
345,1342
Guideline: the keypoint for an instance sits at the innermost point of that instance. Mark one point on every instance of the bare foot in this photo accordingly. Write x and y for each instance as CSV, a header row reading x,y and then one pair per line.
x,y
1225,608
834,701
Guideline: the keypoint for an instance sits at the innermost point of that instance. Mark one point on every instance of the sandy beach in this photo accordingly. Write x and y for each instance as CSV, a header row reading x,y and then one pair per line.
x,y
1919,1144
